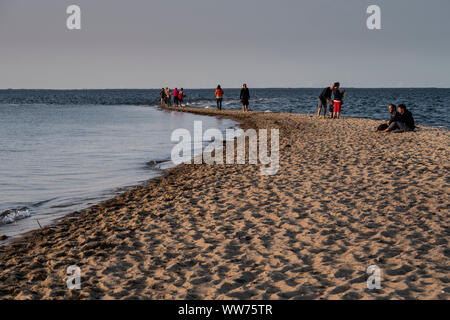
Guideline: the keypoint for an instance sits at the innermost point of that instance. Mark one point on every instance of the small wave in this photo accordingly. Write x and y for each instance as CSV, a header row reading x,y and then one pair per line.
x,y
159,164
9,216
40,203
154,163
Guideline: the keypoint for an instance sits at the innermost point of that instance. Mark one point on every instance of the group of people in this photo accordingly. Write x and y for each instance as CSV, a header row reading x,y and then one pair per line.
x,y
166,96
332,98
401,120
244,97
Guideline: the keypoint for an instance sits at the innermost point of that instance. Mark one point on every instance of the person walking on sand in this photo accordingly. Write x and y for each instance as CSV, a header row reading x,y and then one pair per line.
x,y
175,97
324,99
245,98
180,97
337,100
219,97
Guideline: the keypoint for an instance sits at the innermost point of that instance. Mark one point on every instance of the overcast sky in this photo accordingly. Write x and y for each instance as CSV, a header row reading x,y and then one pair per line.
x,y
199,43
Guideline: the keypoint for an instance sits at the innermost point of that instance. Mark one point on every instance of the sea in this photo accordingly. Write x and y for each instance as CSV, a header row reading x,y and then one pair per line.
x,y
62,151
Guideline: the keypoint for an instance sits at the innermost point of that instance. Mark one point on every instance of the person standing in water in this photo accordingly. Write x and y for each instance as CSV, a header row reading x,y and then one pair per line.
x,y
219,97
245,98
337,100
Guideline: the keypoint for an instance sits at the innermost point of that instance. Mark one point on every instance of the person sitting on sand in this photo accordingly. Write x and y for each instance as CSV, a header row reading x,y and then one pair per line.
x,y
393,117
337,100
245,98
219,96
404,121
324,99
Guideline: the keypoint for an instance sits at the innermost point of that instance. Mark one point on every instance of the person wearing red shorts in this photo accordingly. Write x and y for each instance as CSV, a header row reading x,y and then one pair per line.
x,y
337,107
337,100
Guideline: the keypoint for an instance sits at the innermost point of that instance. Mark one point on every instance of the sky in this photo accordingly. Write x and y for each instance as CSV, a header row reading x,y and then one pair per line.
x,y
200,43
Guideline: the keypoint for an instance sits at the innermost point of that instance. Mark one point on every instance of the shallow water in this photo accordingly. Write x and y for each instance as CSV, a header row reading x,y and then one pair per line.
x,y
56,159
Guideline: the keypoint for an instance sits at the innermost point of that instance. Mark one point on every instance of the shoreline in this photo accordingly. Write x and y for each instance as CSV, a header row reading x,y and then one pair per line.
x,y
20,217
162,172
117,230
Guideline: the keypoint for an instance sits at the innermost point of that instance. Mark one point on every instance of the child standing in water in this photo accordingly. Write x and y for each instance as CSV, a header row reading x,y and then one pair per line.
x,y
337,100
219,97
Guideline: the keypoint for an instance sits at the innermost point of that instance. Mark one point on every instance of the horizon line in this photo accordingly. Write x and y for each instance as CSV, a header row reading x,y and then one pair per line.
x,y
204,88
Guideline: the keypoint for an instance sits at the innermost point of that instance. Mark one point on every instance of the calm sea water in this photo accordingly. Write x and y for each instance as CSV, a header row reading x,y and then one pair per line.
x,y
61,151
59,156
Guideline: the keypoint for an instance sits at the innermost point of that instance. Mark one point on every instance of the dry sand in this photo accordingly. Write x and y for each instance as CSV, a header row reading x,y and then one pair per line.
x,y
345,198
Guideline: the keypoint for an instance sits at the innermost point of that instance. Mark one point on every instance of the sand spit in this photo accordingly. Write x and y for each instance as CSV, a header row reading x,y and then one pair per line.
x,y
344,198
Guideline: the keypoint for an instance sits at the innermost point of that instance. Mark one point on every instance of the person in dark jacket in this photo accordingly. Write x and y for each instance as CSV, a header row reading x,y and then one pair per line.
x,y
245,98
324,99
404,121
394,116
338,97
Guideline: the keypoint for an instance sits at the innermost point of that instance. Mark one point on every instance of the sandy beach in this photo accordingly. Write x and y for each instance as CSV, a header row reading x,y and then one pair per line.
x,y
344,198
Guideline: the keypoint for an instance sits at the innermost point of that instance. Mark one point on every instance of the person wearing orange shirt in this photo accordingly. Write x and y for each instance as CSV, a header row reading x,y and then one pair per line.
x,y
219,97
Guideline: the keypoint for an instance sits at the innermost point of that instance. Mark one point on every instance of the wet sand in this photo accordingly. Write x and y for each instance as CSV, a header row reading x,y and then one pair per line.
x,y
344,198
